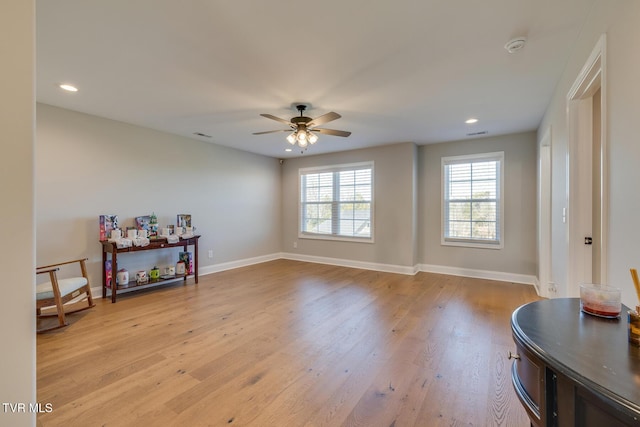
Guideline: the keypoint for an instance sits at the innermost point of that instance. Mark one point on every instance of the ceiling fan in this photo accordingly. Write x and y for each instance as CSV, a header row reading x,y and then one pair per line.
x,y
303,129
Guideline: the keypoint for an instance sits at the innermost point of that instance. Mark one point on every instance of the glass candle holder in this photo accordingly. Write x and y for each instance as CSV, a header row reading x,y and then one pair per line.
x,y
633,318
600,300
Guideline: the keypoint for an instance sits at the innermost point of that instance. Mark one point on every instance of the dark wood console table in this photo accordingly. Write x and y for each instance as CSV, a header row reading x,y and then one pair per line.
x,y
574,369
159,243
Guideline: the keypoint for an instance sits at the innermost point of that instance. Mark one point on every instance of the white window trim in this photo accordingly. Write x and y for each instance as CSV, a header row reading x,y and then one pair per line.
x,y
472,243
337,168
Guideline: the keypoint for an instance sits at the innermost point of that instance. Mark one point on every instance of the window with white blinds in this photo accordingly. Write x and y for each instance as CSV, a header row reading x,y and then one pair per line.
x,y
337,201
472,205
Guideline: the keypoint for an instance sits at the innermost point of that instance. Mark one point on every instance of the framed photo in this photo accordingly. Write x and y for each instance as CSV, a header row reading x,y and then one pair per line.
x,y
107,223
184,220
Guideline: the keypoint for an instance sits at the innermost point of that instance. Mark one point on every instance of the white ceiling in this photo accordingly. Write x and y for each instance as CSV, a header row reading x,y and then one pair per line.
x,y
397,71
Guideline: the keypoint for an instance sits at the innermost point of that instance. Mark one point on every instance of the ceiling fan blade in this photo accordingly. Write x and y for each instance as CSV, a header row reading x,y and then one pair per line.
x,y
272,131
325,118
277,119
333,132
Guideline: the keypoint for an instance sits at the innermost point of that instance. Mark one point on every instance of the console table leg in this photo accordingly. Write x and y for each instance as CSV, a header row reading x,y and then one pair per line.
x,y
104,275
114,285
195,255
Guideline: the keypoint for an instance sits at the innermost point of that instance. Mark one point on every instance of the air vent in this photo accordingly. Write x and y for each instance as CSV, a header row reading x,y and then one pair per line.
x,y
202,134
484,132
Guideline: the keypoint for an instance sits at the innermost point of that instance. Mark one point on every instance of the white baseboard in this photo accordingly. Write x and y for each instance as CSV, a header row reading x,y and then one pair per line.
x,y
536,285
479,274
387,268
96,292
210,269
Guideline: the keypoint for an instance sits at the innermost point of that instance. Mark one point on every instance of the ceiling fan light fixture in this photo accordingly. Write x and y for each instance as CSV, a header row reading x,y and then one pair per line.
x,y
304,128
302,137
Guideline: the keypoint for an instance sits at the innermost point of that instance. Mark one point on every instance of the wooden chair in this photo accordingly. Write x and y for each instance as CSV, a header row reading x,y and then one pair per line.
x,y
56,292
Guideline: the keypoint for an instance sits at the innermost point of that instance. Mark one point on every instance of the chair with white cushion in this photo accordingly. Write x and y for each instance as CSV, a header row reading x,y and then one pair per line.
x,y
56,292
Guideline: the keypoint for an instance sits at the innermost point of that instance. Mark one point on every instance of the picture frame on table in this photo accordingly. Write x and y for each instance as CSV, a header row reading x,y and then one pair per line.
x,y
184,220
107,223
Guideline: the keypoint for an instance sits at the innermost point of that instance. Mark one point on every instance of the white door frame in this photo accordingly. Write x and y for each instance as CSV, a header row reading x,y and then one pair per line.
x,y
544,216
579,166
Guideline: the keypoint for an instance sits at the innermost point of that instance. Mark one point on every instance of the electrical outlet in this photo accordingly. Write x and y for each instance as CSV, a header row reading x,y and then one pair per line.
x,y
210,253
552,287
295,245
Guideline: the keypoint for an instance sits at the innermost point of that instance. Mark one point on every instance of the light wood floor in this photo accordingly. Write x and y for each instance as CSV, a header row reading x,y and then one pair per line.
x,y
287,343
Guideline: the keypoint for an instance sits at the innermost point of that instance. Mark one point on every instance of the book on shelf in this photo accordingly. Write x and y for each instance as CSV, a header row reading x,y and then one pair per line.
x,y
108,273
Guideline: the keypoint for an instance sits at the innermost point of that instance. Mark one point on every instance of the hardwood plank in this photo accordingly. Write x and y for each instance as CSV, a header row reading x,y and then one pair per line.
x,y
288,343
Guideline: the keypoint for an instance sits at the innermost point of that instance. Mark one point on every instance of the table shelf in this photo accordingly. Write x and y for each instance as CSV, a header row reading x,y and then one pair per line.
x,y
111,249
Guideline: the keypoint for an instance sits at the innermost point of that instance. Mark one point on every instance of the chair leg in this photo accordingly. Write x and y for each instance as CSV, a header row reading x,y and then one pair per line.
x,y
39,331
62,321
83,268
58,298
90,298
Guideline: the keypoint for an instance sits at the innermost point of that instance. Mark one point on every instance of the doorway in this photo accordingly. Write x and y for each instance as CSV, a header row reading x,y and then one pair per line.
x,y
587,175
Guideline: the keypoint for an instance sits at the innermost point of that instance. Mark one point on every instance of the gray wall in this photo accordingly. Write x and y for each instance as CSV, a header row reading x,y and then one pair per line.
x,y
246,206
519,252
394,210
87,166
408,207
17,305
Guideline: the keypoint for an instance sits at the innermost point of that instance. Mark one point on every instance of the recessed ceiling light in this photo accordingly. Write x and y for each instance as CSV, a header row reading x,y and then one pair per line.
x,y
68,88
288,150
471,121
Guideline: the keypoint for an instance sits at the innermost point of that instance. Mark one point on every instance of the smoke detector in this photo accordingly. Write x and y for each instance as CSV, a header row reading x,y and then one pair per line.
x,y
515,45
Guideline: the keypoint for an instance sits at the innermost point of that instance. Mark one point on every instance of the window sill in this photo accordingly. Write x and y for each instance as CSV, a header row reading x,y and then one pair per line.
x,y
312,236
472,244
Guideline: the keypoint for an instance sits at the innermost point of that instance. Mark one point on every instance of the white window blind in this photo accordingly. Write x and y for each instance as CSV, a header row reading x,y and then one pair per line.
x,y
472,200
336,201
